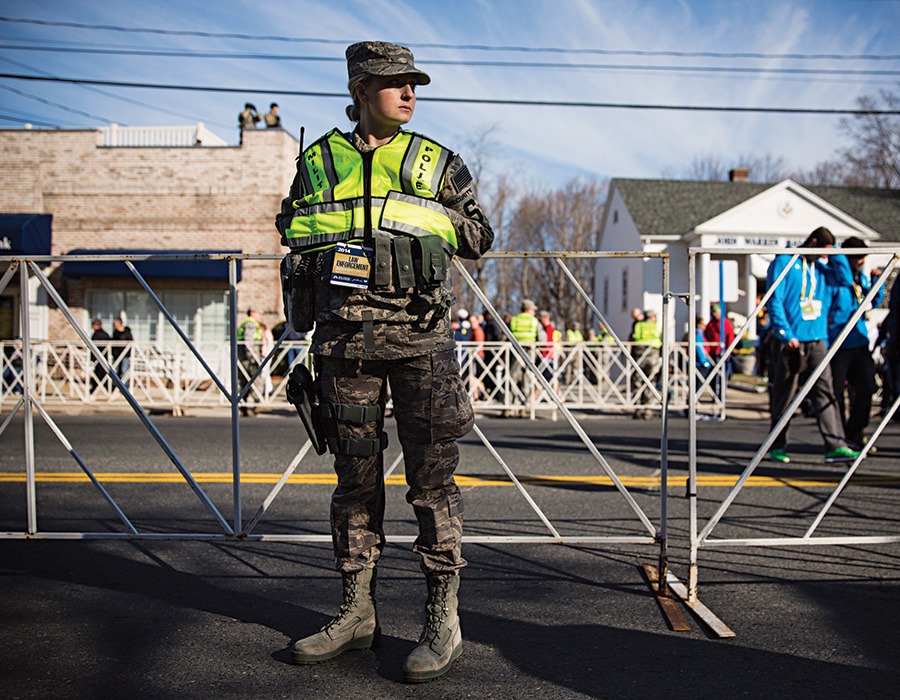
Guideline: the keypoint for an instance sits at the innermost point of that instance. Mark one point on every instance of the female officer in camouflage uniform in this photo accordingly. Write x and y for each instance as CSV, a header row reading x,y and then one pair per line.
x,y
375,216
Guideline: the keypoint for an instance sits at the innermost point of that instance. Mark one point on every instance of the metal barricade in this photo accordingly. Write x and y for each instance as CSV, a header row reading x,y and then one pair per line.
x,y
701,530
155,377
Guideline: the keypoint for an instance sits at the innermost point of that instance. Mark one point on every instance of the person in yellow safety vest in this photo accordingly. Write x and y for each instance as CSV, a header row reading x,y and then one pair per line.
x,y
249,338
573,334
645,350
525,326
527,330
373,219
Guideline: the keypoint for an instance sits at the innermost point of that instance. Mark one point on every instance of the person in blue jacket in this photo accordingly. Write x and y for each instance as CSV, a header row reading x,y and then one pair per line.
x,y
852,367
798,312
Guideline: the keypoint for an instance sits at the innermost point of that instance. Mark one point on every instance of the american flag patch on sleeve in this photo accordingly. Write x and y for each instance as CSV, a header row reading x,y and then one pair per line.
x,y
461,178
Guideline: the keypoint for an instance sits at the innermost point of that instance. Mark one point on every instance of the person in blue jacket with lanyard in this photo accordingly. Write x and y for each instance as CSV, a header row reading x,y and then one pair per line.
x,y
798,311
853,364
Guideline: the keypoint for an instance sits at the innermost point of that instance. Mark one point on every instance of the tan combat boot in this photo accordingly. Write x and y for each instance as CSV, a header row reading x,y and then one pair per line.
x,y
354,627
440,643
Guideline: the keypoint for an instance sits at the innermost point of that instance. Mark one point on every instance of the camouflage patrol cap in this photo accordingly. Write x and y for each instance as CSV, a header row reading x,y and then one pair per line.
x,y
382,58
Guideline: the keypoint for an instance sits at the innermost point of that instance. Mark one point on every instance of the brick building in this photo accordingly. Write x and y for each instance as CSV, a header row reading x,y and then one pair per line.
x,y
145,189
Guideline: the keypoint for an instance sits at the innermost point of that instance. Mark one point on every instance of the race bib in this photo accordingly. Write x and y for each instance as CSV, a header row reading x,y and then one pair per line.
x,y
810,309
351,266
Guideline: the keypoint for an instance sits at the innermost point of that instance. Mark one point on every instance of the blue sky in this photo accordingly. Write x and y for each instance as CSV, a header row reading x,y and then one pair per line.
x,y
543,145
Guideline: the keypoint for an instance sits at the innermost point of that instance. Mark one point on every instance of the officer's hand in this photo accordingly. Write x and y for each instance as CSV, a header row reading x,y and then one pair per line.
x,y
793,344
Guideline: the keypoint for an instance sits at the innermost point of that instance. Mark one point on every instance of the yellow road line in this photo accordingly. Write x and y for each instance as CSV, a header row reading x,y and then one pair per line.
x,y
723,481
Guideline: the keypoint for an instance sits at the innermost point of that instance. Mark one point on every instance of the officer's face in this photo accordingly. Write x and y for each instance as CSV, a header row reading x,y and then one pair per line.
x,y
390,99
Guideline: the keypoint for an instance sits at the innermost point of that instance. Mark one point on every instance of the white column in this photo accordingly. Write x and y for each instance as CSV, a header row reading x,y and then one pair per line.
x,y
750,288
703,286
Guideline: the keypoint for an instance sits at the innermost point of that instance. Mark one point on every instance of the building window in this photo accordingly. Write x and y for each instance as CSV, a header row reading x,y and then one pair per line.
x,y
606,294
203,316
615,216
625,289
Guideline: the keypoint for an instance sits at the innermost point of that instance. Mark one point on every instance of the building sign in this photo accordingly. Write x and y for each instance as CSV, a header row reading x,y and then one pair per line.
x,y
755,241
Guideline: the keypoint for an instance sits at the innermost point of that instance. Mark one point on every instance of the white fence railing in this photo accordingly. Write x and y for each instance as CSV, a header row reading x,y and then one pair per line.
x,y
167,376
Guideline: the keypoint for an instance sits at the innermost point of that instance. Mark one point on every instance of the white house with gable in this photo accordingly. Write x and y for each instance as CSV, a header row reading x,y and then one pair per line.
x,y
675,215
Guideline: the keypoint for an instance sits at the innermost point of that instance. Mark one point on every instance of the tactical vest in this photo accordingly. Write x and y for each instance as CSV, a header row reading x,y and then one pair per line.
x,y
524,327
384,199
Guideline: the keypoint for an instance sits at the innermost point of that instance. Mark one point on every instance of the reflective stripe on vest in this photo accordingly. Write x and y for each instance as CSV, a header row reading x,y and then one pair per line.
x,y
406,176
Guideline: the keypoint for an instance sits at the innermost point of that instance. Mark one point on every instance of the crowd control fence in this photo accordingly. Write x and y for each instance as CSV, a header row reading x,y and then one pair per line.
x,y
182,374
802,523
504,376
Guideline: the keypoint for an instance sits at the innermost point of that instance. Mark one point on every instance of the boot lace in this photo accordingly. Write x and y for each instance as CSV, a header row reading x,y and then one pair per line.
x,y
351,594
436,611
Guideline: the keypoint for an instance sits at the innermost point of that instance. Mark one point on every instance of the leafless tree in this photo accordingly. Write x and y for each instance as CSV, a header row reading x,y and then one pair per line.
x,y
563,220
873,158
711,167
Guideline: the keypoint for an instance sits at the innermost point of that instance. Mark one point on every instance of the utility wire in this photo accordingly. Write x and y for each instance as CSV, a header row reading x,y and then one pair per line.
x,y
116,97
464,100
20,120
52,104
168,53
458,47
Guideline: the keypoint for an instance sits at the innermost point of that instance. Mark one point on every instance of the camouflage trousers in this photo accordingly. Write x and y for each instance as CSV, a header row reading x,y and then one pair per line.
x,y
432,410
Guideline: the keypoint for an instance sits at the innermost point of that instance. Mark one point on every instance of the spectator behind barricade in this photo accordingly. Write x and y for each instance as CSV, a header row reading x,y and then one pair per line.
x,y
273,121
701,355
121,350
574,334
492,334
719,335
527,330
645,350
463,330
852,367
476,323
637,315
476,337
101,337
492,331
266,346
548,353
799,316
249,337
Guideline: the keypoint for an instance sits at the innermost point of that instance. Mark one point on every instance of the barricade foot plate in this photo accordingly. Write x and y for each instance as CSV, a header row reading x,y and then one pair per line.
x,y
667,604
707,616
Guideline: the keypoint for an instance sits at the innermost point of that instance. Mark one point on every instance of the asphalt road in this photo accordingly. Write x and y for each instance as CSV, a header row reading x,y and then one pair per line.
x,y
159,619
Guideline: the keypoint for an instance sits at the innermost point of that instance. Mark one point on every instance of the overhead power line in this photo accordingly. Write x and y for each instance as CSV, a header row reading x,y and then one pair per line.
x,y
457,47
22,120
169,53
460,100
121,98
55,104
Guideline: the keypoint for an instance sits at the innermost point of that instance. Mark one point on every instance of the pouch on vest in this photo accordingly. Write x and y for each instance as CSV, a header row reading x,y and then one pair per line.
x,y
297,290
433,261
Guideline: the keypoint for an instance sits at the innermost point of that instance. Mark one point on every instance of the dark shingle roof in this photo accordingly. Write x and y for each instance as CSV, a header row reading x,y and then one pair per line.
x,y
678,206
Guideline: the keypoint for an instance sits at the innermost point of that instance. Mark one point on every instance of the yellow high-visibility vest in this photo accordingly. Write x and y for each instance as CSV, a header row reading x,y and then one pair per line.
x,y
647,333
524,327
350,196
